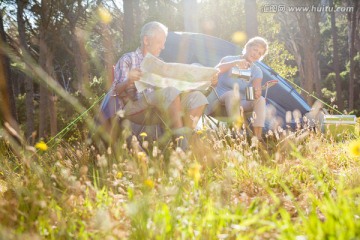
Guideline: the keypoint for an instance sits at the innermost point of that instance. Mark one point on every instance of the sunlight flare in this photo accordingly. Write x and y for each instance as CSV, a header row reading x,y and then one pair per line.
x,y
239,37
105,16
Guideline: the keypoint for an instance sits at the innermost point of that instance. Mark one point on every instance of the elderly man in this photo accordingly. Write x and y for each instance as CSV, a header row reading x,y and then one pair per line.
x,y
180,109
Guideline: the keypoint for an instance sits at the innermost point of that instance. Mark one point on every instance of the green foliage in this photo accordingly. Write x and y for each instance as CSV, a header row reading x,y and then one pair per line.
x,y
278,57
326,46
213,18
281,61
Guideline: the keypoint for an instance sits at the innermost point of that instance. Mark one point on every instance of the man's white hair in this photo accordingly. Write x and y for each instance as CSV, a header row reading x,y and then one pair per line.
x,y
150,29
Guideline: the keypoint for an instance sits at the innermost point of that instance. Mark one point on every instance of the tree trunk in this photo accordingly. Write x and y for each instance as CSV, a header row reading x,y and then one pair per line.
x,y
191,20
137,11
357,48
80,59
7,120
43,55
51,98
47,104
293,47
29,87
251,18
43,105
315,42
153,8
308,78
77,44
352,54
48,114
310,46
294,26
5,113
128,34
339,100
7,73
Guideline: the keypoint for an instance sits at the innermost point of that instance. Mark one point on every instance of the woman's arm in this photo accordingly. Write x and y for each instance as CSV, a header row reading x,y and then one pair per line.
x,y
224,67
257,87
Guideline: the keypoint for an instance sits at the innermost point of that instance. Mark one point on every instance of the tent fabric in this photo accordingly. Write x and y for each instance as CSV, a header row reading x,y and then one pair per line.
x,y
183,47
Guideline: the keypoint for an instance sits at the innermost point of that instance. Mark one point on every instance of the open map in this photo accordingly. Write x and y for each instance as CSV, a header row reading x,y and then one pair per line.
x,y
183,77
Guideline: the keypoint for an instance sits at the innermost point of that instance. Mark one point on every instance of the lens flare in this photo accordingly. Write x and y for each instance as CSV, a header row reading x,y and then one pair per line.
x,y
105,16
239,37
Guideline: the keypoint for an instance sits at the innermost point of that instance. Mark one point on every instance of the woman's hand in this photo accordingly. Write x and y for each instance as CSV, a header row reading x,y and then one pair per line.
x,y
257,93
257,87
242,64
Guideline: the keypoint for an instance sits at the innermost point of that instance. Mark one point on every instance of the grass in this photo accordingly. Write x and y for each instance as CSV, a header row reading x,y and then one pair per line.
x,y
306,187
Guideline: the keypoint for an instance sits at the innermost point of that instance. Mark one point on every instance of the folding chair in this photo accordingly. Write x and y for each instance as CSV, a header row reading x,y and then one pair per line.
x,y
247,115
155,132
136,128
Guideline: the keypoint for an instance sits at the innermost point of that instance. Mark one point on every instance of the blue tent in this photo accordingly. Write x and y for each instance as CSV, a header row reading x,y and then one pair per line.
x,y
190,48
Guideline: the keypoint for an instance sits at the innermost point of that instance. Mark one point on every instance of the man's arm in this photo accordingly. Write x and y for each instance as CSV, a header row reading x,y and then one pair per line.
x,y
124,75
133,75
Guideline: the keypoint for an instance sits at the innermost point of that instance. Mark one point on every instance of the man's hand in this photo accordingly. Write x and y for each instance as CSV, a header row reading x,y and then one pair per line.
x,y
214,80
134,75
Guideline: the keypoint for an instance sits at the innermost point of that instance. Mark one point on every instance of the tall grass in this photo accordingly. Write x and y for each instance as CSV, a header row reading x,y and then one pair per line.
x,y
306,186
224,188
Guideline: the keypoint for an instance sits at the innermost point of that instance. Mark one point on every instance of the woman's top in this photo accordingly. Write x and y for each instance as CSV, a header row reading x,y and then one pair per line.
x,y
227,80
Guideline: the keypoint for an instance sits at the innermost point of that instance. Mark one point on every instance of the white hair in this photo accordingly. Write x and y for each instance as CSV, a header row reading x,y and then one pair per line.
x,y
150,29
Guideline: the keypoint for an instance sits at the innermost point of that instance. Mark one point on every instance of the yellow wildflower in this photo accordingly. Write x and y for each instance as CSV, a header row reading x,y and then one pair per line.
x,y
149,183
199,132
141,155
194,171
354,148
105,16
143,134
41,146
119,175
3,187
239,122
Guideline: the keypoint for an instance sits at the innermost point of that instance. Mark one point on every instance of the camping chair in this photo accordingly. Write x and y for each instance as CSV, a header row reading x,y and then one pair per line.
x,y
247,116
153,123
117,121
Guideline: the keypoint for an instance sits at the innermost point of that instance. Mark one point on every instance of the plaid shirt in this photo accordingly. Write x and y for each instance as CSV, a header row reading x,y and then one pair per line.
x,y
127,62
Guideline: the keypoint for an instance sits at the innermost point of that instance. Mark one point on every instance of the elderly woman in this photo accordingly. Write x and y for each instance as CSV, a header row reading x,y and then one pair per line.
x,y
230,90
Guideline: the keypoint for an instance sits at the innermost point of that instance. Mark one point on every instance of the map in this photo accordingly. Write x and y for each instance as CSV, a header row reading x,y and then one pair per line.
x,y
184,77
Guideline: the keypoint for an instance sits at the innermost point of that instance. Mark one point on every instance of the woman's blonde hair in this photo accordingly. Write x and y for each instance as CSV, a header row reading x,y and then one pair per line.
x,y
257,41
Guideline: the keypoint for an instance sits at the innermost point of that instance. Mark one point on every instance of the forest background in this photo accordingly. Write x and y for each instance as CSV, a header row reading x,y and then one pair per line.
x,y
75,43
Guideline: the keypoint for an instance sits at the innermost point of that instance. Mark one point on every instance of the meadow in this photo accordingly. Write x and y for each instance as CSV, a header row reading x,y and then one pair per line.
x,y
303,186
